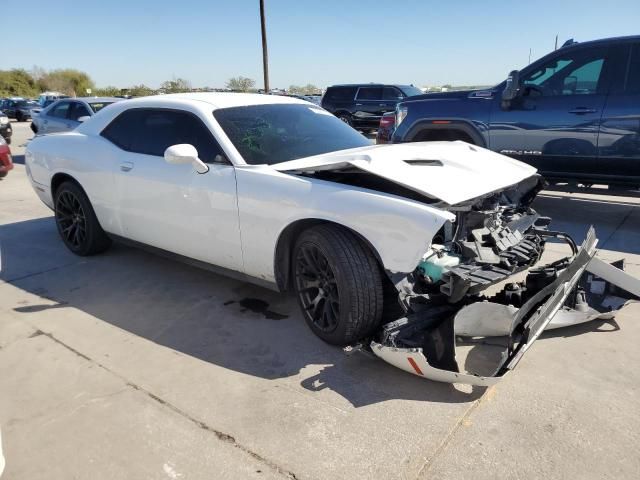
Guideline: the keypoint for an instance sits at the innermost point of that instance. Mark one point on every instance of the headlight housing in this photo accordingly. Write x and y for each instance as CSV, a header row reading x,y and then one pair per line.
x,y
401,113
4,120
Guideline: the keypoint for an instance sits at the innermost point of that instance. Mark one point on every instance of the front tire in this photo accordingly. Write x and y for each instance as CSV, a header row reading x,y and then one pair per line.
x,y
76,221
338,283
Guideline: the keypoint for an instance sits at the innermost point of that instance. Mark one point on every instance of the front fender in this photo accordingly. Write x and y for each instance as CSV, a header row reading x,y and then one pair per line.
x,y
400,230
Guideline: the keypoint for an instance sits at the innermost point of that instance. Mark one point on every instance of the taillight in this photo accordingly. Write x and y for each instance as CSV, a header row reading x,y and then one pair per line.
x,y
401,112
387,121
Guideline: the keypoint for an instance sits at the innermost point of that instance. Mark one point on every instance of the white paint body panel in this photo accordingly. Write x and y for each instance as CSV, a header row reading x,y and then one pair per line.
x,y
464,171
233,215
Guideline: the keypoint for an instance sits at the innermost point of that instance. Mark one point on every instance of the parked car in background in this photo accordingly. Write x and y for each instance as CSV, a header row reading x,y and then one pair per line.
x,y
47,98
574,114
6,163
362,105
18,108
5,127
315,99
66,114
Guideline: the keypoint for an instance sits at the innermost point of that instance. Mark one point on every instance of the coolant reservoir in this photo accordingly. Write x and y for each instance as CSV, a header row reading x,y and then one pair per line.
x,y
436,262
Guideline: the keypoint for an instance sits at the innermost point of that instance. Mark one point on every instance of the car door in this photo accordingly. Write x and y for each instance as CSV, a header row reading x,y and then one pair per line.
x,y
369,105
173,207
390,97
76,110
55,119
553,124
619,138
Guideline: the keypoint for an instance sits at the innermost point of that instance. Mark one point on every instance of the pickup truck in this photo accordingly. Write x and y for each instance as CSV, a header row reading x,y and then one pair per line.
x,y
574,114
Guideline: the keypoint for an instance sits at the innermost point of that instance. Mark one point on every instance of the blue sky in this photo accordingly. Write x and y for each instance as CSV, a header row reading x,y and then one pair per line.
x,y
125,42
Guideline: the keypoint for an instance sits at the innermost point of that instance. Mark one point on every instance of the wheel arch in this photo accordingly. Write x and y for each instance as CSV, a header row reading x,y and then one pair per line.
x,y
61,177
455,128
286,241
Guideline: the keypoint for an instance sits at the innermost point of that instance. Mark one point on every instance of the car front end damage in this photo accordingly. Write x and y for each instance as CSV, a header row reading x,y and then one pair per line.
x,y
479,299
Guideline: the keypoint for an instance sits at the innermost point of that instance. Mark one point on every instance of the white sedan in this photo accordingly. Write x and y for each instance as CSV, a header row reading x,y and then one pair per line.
x,y
391,246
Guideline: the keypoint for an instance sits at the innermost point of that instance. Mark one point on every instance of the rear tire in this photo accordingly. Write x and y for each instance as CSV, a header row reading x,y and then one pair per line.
x,y
76,221
338,283
19,117
346,118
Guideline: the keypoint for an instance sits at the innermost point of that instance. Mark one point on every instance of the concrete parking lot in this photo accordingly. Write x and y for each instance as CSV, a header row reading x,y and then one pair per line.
x,y
127,365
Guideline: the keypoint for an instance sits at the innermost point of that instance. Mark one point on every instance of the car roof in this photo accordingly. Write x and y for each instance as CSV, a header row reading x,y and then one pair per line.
x,y
629,38
218,99
370,85
95,99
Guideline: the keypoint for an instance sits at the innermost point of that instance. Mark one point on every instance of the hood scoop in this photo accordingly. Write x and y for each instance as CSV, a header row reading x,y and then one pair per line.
x,y
424,163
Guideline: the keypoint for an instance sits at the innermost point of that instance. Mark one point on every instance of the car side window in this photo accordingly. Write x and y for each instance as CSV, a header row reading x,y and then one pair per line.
x,y
77,110
60,110
392,93
575,73
340,94
152,131
632,84
369,93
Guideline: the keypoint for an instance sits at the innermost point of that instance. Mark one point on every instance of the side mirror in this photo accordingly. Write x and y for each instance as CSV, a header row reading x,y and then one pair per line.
x,y
84,118
185,153
511,90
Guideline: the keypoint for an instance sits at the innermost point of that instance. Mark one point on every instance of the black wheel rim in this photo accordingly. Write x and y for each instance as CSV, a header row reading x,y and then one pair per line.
x,y
71,219
317,288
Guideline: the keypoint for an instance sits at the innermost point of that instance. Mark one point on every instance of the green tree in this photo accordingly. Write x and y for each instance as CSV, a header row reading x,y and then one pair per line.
x,y
68,81
109,91
177,85
240,84
140,91
18,83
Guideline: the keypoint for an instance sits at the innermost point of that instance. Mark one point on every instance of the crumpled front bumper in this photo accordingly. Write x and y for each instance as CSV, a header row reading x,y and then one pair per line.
x,y
511,331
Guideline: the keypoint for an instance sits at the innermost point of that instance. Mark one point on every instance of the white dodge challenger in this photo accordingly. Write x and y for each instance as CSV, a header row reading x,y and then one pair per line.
x,y
391,247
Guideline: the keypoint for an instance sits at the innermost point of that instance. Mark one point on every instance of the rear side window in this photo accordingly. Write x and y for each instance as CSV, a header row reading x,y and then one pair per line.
x,y
77,110
633,72
340,94
152,131
392,93
369,93
60,110
97,106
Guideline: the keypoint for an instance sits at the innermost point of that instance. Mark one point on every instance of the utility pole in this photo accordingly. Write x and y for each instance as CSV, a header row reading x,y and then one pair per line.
x,y
265,56
529,55
556,47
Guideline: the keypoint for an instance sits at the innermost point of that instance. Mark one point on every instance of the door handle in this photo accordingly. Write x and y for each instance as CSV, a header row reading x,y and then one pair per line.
x,y
126,166
384,105
582,110
358,104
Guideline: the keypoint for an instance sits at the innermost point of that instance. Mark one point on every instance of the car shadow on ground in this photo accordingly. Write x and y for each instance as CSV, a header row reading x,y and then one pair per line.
x,y
231,324
240,326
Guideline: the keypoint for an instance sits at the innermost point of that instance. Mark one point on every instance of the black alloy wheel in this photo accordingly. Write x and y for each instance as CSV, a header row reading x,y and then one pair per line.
x,y
77,222
338,283
317,288
71,220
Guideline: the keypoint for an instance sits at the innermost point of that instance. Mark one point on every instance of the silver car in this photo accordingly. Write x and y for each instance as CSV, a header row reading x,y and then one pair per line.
x,y
66,114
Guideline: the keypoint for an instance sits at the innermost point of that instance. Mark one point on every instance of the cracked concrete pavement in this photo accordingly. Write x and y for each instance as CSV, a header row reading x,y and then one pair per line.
x,y
127,365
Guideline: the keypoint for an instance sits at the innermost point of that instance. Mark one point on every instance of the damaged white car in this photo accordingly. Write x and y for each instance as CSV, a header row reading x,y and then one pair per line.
x,y
392,247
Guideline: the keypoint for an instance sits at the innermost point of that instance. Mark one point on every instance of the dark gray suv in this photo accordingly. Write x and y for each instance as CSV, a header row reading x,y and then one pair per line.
x,y
362,105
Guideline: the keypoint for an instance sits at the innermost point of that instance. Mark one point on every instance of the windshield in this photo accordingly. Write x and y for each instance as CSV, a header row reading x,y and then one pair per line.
x,y
97,106
27,103
282,132
410,90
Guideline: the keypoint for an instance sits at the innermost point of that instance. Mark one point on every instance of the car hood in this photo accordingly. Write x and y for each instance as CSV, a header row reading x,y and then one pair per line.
x,y
453,172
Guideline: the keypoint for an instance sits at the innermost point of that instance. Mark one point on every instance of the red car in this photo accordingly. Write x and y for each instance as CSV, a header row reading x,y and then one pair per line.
x,y
6,163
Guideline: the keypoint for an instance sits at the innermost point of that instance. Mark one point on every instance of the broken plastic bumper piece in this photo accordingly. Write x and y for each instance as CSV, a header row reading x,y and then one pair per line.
x,y
488,338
